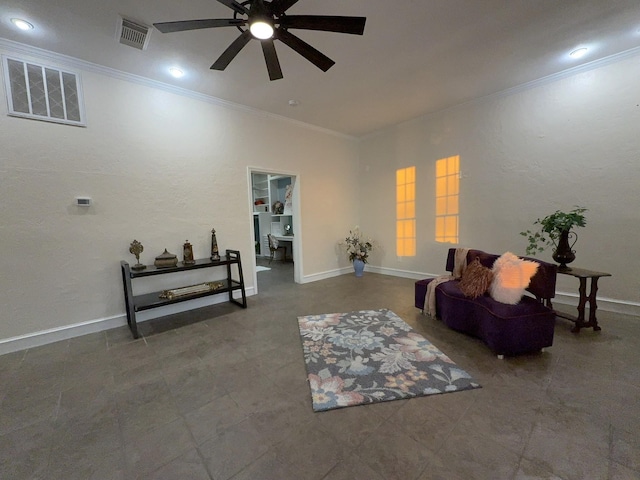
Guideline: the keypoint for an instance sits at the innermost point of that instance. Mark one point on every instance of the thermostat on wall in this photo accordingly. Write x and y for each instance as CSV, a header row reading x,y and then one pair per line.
x,y
83,201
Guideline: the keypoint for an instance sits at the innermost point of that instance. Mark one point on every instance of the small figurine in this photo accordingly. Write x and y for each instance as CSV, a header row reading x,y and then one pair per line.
x,y
136,249
215,255
187,251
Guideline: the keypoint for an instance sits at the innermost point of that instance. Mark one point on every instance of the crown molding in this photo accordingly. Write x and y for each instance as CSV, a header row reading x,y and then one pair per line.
x,y
586,67
72,62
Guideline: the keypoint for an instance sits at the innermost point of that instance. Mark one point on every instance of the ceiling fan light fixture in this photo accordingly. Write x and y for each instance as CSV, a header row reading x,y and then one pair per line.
x,y
265,20
261,29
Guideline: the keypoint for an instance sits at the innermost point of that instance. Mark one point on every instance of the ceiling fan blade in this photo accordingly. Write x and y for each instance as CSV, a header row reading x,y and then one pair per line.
x,y
352,25
271,57
232,50
278,7
316,57
235,6
168,27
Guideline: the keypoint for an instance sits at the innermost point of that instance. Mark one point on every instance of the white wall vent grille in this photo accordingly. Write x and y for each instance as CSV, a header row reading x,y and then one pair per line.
x,y
133,33
43,93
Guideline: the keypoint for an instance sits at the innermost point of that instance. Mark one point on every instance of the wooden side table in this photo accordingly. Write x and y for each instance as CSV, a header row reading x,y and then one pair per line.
x,y
583,275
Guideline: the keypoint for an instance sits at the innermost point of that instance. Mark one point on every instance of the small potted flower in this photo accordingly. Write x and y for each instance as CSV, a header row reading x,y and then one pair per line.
x,y
555,229
358,248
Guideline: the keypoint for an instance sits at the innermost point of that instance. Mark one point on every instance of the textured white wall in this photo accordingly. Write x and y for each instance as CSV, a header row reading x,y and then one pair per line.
x,y
163,168
160,168
573,141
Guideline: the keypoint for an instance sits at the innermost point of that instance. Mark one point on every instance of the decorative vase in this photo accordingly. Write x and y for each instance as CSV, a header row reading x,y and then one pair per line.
x,y
564,253
358,267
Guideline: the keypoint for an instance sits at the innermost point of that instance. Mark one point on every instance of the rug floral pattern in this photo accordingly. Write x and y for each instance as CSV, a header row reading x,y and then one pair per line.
x,y
373,356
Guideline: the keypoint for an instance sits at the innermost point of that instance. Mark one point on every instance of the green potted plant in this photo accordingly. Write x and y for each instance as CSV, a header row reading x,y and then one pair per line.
x,y
555,229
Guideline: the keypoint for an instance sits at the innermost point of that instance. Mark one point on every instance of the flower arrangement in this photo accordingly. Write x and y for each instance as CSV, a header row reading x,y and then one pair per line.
x,y
357,246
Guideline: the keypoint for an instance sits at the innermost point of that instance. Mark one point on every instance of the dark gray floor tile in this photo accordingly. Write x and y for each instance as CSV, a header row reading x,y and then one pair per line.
x,y
89,435
275,421
625,447
188,466
392,453
508,427
620,472
350,426
145,406
562,452
34,381
529,470
79,465
221,392
472,455
352,468
25,452
232,450
18,412
158,447
267,467
136,374
194,386
213,418
307,448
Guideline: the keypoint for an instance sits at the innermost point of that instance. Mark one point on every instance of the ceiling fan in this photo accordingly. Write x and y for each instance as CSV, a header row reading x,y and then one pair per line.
x,y
267,21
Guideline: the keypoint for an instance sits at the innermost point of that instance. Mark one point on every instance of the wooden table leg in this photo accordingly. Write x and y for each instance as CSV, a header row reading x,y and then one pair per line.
x,y
593,321
580,323
593,306
583,275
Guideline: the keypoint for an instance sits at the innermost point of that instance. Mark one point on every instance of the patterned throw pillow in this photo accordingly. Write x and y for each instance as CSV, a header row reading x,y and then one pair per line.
x,y
511,276
476,279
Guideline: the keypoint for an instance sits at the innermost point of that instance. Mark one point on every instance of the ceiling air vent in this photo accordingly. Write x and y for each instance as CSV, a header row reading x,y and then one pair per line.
x,y
133,33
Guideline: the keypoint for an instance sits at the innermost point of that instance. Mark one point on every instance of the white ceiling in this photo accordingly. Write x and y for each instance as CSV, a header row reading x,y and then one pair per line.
x,y
415,57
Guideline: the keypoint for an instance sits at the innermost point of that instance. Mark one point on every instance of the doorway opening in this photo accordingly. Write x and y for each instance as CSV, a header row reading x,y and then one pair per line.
x,y
275,227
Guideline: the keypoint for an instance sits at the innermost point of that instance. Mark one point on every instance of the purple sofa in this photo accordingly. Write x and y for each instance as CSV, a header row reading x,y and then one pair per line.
x,y
505,329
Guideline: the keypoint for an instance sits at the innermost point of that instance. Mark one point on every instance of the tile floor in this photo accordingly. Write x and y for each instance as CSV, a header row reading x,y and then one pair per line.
x,y
220,393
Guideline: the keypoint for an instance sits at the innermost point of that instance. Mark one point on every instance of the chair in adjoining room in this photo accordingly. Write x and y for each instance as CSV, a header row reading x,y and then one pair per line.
x,y
274,247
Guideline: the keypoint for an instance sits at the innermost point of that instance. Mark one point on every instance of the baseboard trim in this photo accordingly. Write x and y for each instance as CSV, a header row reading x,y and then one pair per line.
x,y
564,298
394,272
44,337
607,304
368,268
325,275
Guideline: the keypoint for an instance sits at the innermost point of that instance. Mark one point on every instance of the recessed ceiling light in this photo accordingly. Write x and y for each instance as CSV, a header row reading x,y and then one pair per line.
x,y
176,72
294,103
22,24
578,53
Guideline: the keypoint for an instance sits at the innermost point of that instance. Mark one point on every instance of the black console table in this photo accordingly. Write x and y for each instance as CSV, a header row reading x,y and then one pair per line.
x,y
137,303
583,274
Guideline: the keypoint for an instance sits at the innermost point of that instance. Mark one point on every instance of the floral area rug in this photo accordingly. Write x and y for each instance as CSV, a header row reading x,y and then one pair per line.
x,y
373,356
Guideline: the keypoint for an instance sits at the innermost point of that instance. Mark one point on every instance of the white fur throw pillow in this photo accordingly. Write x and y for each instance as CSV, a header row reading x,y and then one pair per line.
x,y
511,276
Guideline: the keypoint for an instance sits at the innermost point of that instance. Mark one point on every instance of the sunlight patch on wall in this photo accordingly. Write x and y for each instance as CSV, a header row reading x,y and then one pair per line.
x,y
447,199
406,212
